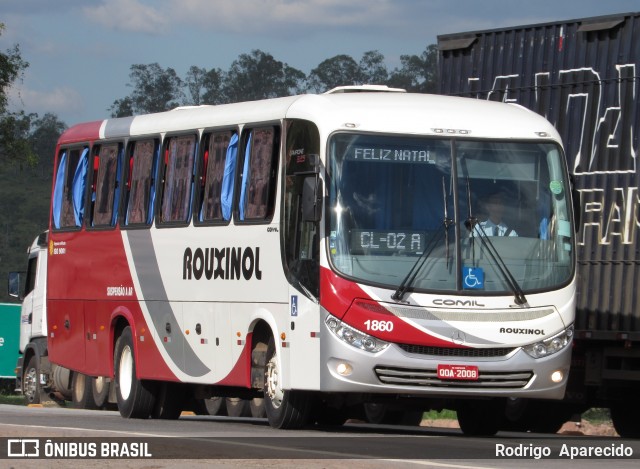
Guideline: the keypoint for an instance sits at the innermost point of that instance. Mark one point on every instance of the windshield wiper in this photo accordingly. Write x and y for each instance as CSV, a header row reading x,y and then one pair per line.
x,y
410,278
473,225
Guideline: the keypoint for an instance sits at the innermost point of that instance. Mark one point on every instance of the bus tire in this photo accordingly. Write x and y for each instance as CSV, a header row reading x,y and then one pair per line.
x,y
100,391
81,391
136,398
285,409
31,387
478,418
169,401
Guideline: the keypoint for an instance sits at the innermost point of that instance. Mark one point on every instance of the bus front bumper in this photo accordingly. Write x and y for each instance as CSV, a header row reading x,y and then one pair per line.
x,y
395,371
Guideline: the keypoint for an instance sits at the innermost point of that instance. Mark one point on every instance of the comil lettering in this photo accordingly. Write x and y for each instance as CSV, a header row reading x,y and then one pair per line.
x,y
223,263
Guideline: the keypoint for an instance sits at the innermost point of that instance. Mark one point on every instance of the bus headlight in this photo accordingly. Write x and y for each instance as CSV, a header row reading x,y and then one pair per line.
x,y
551,345
354,337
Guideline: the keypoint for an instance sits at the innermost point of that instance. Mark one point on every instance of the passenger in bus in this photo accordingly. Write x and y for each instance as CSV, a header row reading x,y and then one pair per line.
x,y
494,206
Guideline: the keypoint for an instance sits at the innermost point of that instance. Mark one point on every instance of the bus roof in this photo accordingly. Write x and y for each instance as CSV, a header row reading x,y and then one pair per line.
x,y
403,113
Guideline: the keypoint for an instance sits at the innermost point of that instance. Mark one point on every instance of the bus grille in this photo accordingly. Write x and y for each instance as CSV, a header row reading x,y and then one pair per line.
x,y
429,378
456,352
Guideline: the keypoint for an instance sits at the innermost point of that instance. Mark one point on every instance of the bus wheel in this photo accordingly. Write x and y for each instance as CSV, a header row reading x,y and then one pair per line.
x,y
100,391
135,397
284,409
169,401
31,382
81,392
478,418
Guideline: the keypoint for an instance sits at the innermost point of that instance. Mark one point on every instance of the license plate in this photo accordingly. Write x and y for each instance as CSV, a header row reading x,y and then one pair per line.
x,y
459,372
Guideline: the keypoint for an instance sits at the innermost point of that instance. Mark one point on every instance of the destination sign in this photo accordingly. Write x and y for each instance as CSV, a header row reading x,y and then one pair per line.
x,y
391,155
387,241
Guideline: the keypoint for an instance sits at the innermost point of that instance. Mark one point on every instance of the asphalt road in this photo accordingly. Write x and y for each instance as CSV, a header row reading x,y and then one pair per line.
x,y
66,438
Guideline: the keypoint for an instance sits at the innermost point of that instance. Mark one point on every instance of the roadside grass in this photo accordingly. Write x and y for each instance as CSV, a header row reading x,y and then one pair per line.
x,y
444,414
12,399
7,394
596,416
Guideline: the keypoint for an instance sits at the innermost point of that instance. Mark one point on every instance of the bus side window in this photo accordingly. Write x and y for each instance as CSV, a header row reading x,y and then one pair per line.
x,y
140,198
259,173
70,187
216,168
105,188
177,185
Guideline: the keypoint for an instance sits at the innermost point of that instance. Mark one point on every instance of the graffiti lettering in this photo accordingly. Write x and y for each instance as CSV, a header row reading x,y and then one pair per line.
x,y
596,128
610,216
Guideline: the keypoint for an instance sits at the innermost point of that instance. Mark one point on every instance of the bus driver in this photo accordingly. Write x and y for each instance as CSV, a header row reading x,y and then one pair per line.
x,y
493,225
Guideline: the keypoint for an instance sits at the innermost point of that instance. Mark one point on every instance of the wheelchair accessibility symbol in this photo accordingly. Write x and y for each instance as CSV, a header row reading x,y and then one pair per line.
x,y
473,278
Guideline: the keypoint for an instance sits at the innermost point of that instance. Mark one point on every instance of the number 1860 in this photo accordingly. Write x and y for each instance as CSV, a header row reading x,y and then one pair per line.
x,y
381,326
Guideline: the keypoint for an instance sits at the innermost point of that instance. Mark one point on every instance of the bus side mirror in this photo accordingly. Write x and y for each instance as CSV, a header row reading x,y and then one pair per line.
x,y
14,284
312,199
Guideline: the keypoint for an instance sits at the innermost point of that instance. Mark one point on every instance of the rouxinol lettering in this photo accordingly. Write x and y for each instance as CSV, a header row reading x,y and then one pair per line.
x,y
223,263
513,330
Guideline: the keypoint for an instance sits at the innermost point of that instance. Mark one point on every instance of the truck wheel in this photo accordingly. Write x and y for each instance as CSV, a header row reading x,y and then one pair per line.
x,y
237,407
285,409
257,408
100,391
135,397
625,416
523,415
31,382
479,418
216,405
81,392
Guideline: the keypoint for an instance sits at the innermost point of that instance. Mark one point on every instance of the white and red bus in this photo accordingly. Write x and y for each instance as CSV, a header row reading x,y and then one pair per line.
x,y
318,250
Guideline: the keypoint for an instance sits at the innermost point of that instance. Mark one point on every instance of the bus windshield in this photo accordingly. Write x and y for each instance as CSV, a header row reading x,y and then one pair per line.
x,y
458,214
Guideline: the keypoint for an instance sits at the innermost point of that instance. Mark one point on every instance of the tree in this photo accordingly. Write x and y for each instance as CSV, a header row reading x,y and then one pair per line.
x,y
259,76
372,68
44,136
11,67
340,70
122,107
14,127
212,84
15,147
154,90
418,73
195,83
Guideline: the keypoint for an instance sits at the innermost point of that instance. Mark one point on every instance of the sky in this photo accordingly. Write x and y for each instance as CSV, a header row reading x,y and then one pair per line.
x,y
80,51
